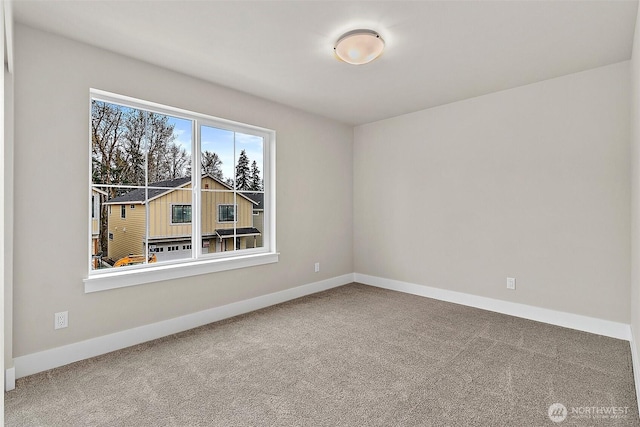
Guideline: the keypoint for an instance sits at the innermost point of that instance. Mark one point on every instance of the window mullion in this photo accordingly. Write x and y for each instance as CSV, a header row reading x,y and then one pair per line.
x,y
196,197
146,201
235,193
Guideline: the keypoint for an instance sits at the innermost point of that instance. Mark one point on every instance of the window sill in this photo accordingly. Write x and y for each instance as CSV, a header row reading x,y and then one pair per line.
x,y
121,279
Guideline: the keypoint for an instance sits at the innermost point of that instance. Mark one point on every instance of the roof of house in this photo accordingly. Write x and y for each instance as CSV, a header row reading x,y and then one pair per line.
x,y
258,198
223,232
160,188
139,194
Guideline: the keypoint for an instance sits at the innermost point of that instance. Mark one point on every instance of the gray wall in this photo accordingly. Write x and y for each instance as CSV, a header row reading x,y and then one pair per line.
x,y
635,190
52,80
8,220
532,182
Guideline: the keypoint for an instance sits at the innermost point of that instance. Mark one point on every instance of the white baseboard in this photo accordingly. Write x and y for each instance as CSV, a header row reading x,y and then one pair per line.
x,y
37,362
10,379
553,317
60,356
635,362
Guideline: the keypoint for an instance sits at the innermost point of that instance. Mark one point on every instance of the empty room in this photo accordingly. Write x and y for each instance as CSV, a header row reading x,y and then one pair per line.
x,y
320,213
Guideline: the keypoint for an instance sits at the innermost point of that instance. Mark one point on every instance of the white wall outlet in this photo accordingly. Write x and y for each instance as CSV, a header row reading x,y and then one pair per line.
x,y
511,282
61,320
317,267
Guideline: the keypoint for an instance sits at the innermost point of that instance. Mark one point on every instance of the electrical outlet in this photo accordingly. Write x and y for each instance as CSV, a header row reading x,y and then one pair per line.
x,y
317,267
61,320
511,282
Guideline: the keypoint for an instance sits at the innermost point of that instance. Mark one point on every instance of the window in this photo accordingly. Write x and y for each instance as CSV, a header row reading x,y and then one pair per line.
x,y
196,181
93,207
226,213
180,214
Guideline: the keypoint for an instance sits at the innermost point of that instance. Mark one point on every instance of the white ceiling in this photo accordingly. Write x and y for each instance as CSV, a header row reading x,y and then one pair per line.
x,y
437,51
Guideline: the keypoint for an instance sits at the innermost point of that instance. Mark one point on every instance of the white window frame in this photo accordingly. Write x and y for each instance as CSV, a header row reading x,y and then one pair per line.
x,y
100,280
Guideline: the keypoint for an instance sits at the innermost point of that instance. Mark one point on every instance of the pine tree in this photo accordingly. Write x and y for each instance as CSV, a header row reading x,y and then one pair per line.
x,y
256,182
243,177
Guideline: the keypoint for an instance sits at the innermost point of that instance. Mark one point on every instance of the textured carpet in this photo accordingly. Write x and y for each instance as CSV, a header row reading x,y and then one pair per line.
x,y
351,356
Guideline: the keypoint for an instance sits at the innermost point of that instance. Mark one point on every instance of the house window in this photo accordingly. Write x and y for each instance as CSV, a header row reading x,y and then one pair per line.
x,y
93,207
226,213
180,214
183,167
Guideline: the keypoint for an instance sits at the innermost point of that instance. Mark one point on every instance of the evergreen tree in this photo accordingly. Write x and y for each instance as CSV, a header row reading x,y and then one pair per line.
x,y
255,182
243,177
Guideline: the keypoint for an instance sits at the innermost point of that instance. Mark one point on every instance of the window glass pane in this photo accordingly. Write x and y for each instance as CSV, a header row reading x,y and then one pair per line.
x,y
99,233
250,182
226,213
217,154
218,214
252,218
132,147
117,242
170,227
217,160
248,162
144,160
181,214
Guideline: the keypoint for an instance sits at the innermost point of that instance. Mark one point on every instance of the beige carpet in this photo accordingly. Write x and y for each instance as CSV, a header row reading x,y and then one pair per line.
x,y
351,356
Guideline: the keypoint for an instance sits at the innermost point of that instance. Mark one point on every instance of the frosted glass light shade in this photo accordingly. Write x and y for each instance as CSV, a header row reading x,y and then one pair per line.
x,y
359,47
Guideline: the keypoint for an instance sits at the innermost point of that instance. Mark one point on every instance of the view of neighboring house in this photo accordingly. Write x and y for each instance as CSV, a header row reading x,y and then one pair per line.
x,y
258,214
97,198
170,213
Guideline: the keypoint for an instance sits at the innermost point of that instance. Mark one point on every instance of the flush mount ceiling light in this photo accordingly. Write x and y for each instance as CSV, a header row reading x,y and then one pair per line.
x,y
359,47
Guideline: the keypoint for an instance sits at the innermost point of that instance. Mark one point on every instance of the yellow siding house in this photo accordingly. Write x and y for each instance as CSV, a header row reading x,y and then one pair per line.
x,y
164,213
